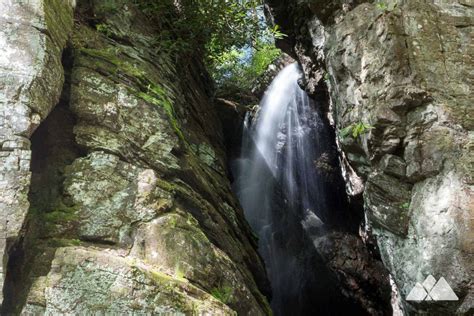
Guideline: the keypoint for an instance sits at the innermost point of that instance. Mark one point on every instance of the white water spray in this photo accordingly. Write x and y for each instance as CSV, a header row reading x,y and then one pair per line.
x,y
277,183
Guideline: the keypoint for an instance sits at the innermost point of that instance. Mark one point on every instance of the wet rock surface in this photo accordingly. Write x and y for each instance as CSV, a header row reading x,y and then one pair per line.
x,y
359,276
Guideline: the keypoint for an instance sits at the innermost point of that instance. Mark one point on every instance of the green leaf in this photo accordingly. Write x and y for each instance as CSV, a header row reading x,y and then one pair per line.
x,y
356,129
346,131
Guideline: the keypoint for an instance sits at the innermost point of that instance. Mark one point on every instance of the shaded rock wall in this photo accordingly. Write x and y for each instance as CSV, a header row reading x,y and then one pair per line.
x,y
131,209
32,37
402,68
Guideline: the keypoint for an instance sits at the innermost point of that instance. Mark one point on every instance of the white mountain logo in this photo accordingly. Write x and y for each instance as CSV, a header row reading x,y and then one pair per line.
x,y
430,290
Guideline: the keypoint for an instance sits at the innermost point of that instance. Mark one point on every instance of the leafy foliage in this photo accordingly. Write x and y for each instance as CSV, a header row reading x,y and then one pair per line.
x,y
238,67
327,77
231,35
386,7
381,5
103,28
355,130
216,25
232,70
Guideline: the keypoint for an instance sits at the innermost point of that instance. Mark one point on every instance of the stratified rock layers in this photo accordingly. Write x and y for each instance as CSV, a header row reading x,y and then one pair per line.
x,y
129,209
399,75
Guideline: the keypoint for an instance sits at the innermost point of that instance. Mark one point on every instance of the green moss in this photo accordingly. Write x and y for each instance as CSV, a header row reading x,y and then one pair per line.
x,y
60,215
223,293
59,19
63,242
157,96
84,36
147,89
178,273
55,216
165,185
112,56
163,279
160,277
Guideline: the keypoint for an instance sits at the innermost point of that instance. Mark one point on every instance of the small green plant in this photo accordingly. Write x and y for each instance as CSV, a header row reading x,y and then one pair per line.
x,y
382,5
104,29
356,130
277,33
173,221
326,77
223,293
387,7
406,205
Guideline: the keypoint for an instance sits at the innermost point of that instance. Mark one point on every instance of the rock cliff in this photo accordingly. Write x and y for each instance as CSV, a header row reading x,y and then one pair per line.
x,y
398,75
114,185
127,206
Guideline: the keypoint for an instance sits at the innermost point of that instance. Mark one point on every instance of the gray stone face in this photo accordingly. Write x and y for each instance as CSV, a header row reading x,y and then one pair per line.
x,y
403,69
83,281
126,207
393,165
110,195
32,37
388,202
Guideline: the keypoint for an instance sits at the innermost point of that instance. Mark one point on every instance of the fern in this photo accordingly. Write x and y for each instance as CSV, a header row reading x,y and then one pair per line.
x,y
355,130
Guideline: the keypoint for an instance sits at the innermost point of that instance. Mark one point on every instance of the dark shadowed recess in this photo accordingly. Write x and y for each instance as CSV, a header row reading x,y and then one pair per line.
x,y
53,147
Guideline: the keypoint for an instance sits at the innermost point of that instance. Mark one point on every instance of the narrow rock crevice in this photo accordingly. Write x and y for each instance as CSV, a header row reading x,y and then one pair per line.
x,y
53,148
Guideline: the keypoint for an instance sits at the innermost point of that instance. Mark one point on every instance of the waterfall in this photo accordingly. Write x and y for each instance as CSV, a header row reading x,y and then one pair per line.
x,y
279,187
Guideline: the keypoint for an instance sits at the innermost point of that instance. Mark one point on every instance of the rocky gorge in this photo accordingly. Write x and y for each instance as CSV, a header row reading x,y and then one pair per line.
x,y
116,185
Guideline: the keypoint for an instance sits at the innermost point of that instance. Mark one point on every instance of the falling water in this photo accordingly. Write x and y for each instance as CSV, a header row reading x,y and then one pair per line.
x,y
279,187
